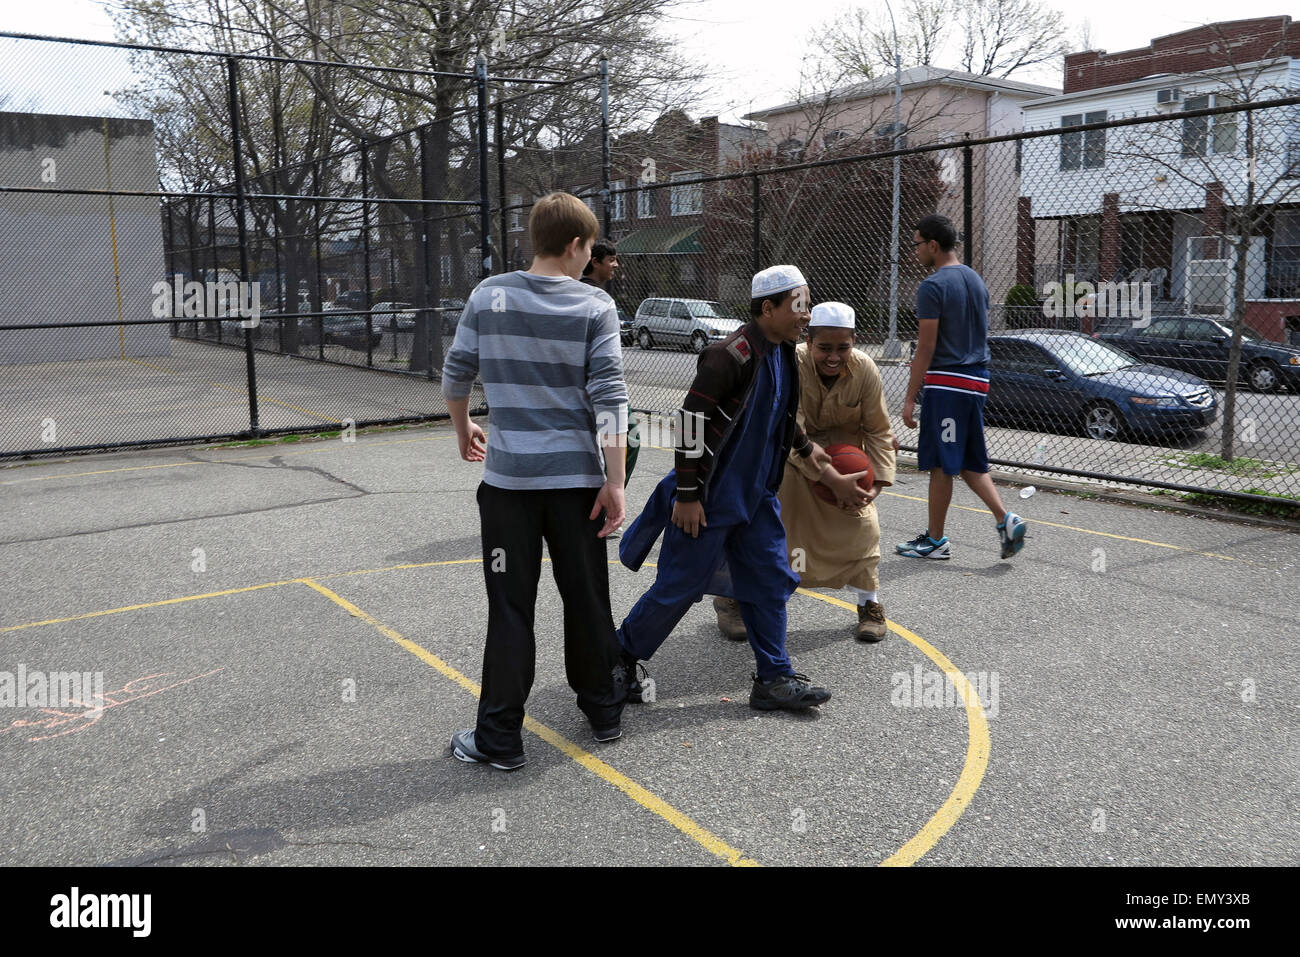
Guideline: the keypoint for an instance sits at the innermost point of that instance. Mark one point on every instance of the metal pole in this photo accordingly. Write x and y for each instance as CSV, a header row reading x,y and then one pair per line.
x,y
893,348
501,184
484,207
320,304
232,71
968,205
605,197
365,248
757,204
432,320
169,263
212,247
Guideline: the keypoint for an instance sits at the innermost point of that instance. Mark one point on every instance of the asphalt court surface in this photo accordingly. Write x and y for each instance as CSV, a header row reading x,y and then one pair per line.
x,y
1137,671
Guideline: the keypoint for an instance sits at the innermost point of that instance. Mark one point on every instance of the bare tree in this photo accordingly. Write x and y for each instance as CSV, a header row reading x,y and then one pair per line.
x,y
1247,158
1000,37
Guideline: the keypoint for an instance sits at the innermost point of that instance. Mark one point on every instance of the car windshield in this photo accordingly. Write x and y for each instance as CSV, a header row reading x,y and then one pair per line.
x,y
706,310
1089,357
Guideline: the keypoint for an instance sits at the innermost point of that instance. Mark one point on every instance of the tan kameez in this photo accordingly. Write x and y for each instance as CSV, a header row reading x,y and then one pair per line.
x,y
831,547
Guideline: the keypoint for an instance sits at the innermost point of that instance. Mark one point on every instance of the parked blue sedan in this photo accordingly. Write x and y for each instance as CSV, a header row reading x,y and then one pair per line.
x,y
1066,380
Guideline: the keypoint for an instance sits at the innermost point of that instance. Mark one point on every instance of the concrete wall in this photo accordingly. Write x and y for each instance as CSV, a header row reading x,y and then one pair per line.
x,y
57,250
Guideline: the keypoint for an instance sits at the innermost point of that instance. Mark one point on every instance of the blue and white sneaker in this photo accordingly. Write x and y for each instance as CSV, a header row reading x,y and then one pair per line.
x,y
1012,532
923,546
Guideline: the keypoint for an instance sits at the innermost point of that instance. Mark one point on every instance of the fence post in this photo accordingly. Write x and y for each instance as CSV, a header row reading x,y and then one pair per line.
x,y
365,247
605,195
432,318
216,255
232,71
484,206
320,299
968,206
501,184
758,220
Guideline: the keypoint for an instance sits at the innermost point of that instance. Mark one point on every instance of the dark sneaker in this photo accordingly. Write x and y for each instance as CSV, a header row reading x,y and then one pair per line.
x,y
607,734
631,679
791,692
1011,530
464,749
729,621
923,546
871,622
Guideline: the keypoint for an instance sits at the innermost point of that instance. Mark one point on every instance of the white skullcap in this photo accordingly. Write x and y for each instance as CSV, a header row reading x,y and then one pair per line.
x,y
775,279
835,315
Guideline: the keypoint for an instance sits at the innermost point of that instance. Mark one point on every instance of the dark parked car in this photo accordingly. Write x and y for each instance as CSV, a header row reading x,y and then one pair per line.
x,y
626,327
1199,345
1069,380
352,299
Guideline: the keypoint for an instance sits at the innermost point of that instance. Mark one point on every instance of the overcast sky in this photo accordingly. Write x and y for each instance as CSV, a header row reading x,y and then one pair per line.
x,y
754,47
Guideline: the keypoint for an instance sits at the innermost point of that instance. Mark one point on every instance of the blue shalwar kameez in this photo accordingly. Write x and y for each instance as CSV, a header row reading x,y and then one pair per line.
x,y
740,554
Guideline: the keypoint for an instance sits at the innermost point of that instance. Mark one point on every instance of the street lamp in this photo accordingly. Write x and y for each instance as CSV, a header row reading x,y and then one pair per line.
x,y
893,349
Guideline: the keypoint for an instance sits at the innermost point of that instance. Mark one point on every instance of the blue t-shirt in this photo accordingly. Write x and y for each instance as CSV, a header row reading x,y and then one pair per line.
x,y
958,298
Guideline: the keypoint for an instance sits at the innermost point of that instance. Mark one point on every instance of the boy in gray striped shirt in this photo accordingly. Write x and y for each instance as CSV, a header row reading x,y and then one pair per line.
x,y
547,349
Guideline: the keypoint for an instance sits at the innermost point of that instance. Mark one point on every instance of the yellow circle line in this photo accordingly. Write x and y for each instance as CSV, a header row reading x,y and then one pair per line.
x,y
977,753
978,745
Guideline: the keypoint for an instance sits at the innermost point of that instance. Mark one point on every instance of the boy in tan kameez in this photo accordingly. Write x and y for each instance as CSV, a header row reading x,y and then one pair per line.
x,y
842,401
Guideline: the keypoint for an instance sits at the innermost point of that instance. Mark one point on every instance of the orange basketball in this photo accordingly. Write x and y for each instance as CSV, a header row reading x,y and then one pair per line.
x,y
846,459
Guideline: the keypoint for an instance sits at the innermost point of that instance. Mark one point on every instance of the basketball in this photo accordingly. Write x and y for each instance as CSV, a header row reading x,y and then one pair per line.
x,y
846,459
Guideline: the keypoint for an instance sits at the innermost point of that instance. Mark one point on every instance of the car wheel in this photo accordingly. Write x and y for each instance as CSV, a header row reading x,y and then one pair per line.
x,y
643,339
699,342
1264,377
1102,421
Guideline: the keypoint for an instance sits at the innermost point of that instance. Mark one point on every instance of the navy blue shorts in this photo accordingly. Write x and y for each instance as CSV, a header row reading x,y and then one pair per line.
x,y
951,428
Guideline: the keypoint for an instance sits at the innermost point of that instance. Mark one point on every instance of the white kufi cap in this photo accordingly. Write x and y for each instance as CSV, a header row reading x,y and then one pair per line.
x,y
775,279
836,315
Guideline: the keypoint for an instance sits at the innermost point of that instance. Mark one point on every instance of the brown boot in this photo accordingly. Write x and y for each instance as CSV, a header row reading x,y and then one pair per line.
x,y
871,622
729,621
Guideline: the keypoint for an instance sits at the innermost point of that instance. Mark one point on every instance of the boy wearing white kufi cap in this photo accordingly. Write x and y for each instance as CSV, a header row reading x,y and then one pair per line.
x,y
841,401
718,510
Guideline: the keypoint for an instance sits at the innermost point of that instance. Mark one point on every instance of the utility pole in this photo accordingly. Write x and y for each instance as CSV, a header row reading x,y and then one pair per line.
x,y
893,348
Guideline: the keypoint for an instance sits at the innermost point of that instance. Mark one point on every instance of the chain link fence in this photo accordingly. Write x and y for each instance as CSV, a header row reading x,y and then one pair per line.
x,y
1119,289
260,244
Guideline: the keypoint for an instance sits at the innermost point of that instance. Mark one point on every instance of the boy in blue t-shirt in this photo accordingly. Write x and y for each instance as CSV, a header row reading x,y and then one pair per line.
x,y
951,363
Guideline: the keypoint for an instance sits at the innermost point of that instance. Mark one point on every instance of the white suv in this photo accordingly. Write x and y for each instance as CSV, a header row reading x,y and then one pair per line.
x,y
692,323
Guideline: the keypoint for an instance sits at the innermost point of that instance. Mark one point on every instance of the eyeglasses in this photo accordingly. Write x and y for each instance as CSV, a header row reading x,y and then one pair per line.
x,y
920,242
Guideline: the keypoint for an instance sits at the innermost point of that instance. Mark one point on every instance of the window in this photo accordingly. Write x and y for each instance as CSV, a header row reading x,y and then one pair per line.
x,y
834,137
515,223
1085,149
1200,331
1162,329
686,200
687,273
644,204
617,201
678,311
1012,356
1218,134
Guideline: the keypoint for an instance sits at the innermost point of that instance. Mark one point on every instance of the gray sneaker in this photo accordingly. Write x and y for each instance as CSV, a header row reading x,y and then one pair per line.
x,y
464,749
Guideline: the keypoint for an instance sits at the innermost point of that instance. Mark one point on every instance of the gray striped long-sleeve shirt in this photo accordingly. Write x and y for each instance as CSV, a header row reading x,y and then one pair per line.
x,y
547,350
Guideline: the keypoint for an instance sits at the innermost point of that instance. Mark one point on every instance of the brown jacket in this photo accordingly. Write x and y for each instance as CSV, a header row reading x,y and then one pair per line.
x,y
724,379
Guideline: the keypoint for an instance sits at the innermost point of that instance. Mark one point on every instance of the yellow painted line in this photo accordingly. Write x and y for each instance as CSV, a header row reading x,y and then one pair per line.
x,y
148,604
1086,531
977,749
181,465
706,839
